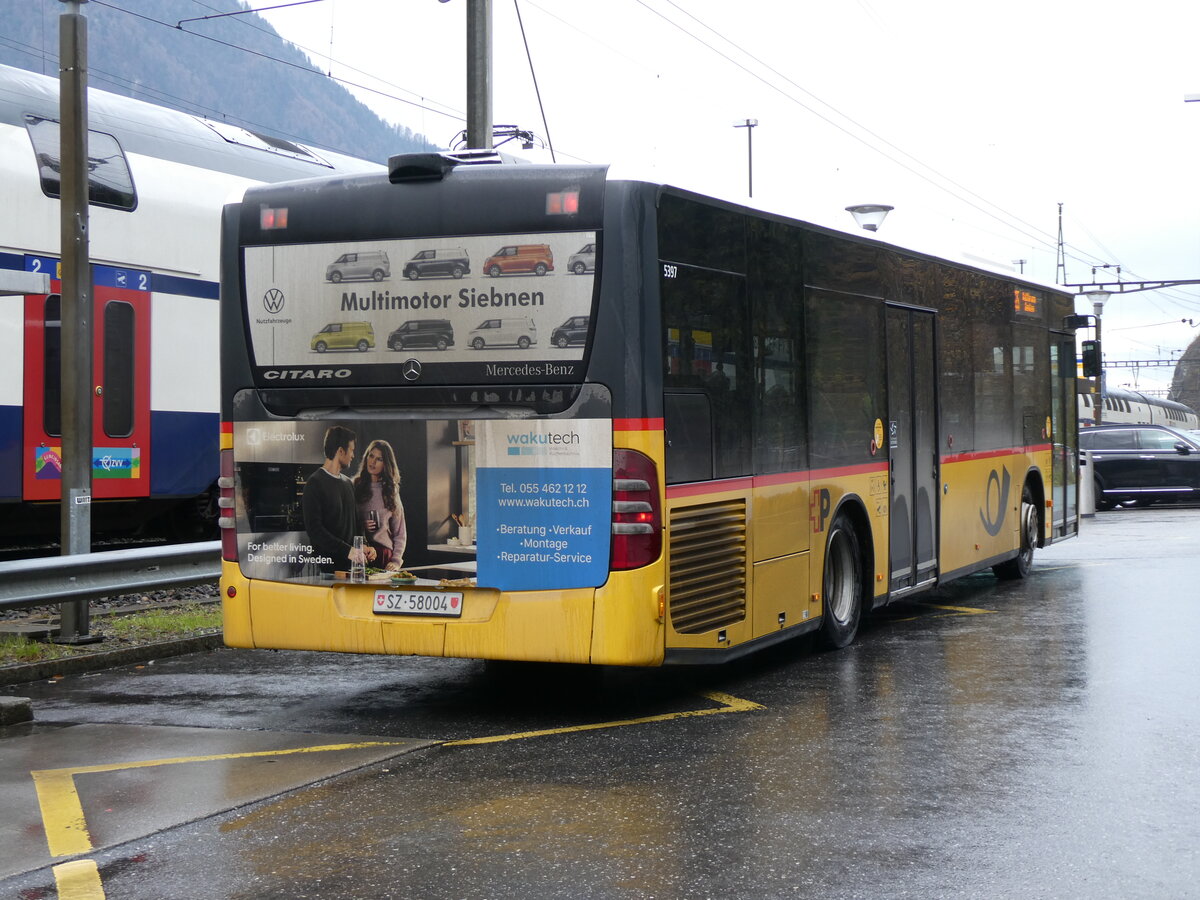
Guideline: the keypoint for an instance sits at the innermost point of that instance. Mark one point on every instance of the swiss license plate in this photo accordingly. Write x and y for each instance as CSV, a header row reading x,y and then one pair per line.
x,y
394,602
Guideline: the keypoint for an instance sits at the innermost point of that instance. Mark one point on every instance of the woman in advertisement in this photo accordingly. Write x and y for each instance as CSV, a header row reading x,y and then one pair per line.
x,y
377,494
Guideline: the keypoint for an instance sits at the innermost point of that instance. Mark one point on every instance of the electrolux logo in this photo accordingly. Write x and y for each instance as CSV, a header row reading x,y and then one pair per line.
x,y
256,436
273,301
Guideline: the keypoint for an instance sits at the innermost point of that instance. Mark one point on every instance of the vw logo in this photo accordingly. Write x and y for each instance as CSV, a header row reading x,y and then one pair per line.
x,y
412,370
273,300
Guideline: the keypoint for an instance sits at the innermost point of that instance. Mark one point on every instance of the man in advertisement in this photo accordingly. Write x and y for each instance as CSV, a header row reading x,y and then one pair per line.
x,y
330,510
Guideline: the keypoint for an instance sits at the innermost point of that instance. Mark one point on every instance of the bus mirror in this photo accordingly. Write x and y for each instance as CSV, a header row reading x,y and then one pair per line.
x,y
1091,359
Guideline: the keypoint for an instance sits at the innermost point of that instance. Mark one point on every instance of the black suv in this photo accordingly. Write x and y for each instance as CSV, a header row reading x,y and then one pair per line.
x,y
1136,465
572,331
435,333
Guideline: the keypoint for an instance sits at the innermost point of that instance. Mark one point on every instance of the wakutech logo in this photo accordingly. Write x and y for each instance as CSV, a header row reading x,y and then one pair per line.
x,y
273,301
535,443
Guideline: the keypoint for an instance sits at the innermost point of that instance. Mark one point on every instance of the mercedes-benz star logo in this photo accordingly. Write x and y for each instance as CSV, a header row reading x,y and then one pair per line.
x,y
412,370
273,300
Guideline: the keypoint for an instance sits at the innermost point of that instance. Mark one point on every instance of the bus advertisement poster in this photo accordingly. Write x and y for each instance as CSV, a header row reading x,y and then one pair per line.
x,y
535,494
480,299
544,503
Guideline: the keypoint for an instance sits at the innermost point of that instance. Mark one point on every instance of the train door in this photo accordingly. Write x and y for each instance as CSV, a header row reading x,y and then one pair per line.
x,y
912,447
120,395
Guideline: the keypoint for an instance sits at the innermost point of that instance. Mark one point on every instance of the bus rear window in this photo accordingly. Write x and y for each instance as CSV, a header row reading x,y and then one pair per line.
x,y
438,310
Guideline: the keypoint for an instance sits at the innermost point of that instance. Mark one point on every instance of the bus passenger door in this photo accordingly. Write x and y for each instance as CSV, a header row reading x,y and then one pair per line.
x,y
911,437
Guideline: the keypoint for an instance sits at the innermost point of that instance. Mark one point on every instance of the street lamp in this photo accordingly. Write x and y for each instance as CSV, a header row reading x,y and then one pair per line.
x,y
869,215
1098,298
749,125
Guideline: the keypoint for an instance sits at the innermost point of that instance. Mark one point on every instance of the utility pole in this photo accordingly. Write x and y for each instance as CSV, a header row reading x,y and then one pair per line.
x,y
479,74
1060,273
75,519
749,125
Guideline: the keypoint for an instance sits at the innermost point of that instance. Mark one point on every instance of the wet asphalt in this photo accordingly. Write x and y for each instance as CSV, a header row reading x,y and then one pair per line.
x,y
995,739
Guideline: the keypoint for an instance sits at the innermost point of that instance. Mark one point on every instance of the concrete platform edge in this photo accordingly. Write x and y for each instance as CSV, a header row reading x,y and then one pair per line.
x,y
90,662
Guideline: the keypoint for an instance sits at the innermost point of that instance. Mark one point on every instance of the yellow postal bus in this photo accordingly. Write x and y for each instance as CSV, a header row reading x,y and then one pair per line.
x,y
764,428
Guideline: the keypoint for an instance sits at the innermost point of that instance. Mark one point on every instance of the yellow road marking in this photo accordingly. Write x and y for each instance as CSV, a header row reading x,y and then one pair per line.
x,y
950,611
730,704
961,610
62,813
78,880
66,828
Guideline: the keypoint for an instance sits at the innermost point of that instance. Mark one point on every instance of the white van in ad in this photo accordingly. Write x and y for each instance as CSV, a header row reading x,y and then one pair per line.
x,y
372,264
517,332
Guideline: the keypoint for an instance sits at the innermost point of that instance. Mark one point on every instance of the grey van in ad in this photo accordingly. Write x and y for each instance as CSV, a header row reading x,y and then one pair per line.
x,y
360,266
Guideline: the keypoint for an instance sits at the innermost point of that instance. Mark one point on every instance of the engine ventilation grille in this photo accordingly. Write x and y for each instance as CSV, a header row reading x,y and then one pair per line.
x,y
708,566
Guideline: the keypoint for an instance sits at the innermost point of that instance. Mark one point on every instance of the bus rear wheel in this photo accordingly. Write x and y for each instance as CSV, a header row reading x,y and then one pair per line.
x,y
1022,564
842,586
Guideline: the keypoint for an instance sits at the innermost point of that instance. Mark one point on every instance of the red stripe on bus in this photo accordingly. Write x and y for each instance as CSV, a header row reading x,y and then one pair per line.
x,y
637,424
994,454
741,484
844,471
709,487
226,428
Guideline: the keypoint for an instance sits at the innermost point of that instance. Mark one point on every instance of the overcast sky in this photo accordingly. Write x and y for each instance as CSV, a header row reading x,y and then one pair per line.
x,y
975,120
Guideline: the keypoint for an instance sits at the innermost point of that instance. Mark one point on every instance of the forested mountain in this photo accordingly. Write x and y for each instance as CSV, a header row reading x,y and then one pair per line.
x,y
131,52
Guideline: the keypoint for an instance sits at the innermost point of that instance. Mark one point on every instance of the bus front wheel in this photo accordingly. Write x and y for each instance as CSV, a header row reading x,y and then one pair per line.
x,y
1022,565
842,586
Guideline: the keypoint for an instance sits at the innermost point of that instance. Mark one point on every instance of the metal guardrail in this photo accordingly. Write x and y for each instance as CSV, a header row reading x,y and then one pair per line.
x,y
88,576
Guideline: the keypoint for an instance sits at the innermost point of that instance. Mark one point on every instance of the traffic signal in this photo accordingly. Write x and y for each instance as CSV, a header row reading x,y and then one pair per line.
x,y
1091,359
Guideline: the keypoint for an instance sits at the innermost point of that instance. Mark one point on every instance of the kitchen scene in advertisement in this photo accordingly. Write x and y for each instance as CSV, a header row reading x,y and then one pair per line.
x,y
514,504
494,299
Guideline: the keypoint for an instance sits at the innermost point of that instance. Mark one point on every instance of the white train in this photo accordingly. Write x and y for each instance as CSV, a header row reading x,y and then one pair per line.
x,y
159,179
1122,407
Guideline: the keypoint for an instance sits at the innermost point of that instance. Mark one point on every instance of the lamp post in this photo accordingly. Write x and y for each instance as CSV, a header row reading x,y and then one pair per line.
x,y
1098,298
869,215
749,125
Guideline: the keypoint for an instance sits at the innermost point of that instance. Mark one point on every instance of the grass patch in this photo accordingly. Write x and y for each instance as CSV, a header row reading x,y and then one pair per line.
x,y
118,632
16,649
161,624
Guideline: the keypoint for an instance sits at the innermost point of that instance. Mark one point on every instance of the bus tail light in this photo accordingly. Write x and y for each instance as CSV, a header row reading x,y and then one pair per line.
x,y
637,512
227,521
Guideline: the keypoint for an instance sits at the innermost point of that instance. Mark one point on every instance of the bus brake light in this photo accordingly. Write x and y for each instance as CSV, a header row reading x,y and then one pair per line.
x,y
562,203
637,511
270,219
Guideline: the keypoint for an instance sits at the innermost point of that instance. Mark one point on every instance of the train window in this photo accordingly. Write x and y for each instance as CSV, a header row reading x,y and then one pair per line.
x,y
110,182
235,134
118,369
52,363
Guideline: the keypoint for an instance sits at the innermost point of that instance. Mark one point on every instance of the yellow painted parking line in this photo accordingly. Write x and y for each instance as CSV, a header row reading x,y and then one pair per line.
x,y
961,610
62,813
729,705
67,832
78,880
949,612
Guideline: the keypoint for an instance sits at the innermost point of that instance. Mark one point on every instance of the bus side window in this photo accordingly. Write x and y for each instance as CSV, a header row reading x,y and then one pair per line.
x,y
689,437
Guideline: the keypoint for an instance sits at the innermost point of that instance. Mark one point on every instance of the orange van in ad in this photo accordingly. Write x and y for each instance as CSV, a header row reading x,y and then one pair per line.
x,y
517,258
